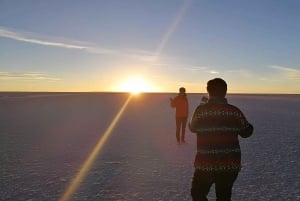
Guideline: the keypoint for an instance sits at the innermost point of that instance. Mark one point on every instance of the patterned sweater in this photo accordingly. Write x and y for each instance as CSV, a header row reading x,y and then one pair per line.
x,y
217,125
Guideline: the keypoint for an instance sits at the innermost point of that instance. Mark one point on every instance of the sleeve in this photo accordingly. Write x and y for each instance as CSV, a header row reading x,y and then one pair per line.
x,y
193,121
246,129
173,102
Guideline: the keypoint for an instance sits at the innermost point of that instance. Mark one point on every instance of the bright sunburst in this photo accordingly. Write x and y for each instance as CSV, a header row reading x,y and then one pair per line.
x,y
136,85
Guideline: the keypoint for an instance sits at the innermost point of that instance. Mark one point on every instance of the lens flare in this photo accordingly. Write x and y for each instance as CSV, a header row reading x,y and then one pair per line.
x,y
173,26
93,155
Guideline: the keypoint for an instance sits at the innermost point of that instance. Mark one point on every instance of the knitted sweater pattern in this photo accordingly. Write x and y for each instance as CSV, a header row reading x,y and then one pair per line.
x,y
217,125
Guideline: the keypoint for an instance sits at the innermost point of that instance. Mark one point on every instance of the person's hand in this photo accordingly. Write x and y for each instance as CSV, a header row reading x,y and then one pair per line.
x,y
204,99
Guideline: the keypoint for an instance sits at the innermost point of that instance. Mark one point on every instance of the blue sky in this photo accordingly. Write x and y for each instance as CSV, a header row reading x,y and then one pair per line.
x,y
98,45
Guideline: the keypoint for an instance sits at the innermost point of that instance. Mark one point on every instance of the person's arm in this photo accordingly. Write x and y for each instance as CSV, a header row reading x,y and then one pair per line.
x,y
246,128
193,122
173,102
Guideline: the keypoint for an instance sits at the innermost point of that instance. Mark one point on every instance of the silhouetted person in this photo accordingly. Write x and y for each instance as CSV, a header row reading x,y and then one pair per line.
x,y
180,103
218,159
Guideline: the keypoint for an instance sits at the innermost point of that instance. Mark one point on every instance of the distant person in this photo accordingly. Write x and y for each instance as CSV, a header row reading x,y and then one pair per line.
x,y
218,159
180,103
204,100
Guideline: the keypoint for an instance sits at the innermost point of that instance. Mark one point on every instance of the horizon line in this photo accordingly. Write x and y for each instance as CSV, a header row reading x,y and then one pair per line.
x,y
152,92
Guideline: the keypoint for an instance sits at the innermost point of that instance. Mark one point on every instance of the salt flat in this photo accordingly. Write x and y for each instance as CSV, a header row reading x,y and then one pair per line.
x,y
46,137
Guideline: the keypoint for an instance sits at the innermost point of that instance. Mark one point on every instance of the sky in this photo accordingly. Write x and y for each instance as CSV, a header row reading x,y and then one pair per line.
x,y
149,45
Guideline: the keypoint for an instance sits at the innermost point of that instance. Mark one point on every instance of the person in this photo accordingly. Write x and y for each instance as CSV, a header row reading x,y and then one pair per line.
x,y
204,100
217,125
180,103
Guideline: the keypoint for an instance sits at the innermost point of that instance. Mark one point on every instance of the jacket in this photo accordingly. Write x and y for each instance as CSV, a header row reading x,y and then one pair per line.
x,y
218,125
180,102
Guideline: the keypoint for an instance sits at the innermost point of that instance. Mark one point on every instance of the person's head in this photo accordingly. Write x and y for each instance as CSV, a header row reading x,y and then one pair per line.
x,y
217,88
182,90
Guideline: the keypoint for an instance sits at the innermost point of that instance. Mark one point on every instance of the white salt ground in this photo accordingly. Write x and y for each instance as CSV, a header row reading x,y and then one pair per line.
x,y
45,138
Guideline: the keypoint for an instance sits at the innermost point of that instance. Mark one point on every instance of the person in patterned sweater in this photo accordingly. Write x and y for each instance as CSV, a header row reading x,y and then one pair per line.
x,y
218,159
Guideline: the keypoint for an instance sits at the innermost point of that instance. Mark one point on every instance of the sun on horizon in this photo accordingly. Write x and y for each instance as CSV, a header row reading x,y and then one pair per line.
x,y
136,85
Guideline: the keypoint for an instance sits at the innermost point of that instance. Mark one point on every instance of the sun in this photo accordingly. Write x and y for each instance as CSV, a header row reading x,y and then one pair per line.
x,y
136,85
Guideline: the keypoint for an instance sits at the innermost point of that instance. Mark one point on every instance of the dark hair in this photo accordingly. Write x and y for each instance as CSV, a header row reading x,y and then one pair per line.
x,y
217,87
182,89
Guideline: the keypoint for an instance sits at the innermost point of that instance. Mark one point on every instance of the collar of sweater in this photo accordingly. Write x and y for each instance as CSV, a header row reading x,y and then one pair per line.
x,y
217,100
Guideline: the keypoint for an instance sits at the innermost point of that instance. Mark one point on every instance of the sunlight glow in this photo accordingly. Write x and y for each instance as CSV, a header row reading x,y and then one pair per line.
x,y
136,85
92,157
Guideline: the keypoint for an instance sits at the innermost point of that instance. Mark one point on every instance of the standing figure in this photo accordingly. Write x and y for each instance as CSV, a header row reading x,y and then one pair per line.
x,y
218,159
180,103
